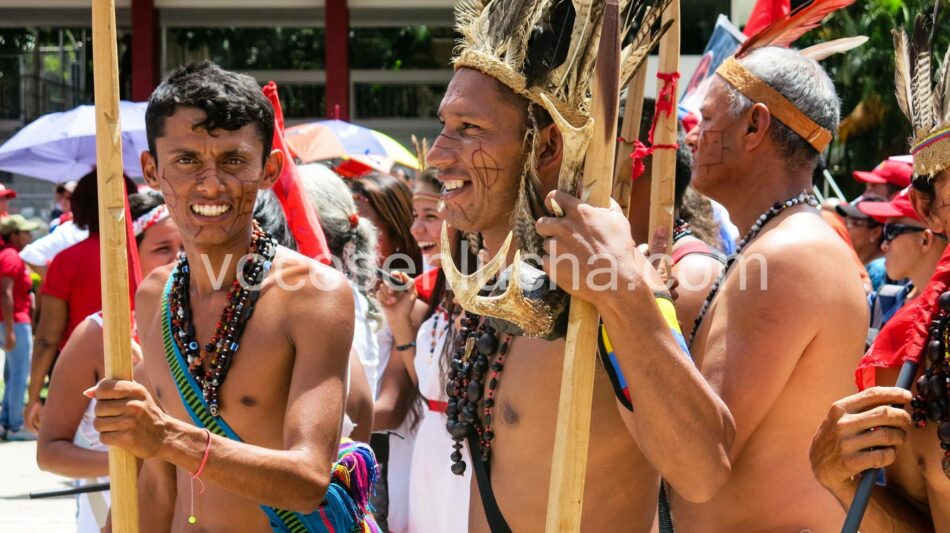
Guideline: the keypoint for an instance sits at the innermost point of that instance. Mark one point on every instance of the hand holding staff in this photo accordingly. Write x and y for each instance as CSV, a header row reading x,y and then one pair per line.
x,y
112,227
571,437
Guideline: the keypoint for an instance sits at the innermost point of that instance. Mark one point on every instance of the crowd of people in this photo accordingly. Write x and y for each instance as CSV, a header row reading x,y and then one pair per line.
x,y
407,382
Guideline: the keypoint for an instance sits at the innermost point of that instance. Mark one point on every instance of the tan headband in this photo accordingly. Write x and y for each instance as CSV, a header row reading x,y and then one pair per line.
x,y
435,197
760,92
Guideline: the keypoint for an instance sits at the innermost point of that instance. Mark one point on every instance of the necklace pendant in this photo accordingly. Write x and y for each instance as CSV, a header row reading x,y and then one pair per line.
x,y
214,410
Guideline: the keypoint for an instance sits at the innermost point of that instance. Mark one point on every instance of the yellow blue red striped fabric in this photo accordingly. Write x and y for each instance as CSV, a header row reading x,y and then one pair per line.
x,y
609,358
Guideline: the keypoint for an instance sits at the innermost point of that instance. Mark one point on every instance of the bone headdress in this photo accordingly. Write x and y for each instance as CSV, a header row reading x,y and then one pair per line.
x,y
544,51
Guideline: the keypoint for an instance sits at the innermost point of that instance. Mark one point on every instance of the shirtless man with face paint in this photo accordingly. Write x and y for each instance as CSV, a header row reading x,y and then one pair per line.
x,y
210,134
788,324
479,156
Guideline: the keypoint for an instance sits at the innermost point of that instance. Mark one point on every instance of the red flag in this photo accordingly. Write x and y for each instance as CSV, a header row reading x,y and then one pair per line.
x,y
300,212
765,13
132,253
905,334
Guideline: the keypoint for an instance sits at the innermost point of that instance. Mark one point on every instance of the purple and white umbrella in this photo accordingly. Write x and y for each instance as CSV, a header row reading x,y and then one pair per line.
x,y
60,147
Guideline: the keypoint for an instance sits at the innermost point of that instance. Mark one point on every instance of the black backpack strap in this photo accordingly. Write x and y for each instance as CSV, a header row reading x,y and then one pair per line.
x,y
496,521
663,510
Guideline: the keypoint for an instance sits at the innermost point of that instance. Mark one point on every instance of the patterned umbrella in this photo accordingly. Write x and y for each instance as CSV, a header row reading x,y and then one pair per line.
x,y
335,139
60,147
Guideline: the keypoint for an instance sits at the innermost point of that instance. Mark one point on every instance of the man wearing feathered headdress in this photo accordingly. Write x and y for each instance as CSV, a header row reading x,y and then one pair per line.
x,y
866,431
516,127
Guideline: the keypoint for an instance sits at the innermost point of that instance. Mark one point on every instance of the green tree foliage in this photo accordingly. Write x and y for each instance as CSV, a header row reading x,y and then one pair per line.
x,y
873,127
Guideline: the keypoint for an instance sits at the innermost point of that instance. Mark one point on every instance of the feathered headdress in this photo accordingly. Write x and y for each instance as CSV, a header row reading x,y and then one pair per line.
x,y
545,51
927,106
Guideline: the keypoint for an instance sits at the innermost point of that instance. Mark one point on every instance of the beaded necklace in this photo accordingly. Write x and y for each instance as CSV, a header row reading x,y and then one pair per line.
x,y
475,345
439,314
764,218
681,229
219,352
933,387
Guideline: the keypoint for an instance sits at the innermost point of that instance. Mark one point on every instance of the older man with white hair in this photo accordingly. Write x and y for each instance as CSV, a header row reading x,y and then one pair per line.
x,y
781,330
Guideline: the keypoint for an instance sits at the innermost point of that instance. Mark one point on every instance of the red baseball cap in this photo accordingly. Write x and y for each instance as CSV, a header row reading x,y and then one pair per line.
x,y
888,171
6,193
900,206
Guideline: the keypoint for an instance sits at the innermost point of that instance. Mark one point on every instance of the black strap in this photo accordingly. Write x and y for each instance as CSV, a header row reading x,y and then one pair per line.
x,y
663,510
496,521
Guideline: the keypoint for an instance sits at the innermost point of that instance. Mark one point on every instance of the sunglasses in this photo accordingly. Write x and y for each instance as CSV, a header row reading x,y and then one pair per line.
x,y
853,222
893,231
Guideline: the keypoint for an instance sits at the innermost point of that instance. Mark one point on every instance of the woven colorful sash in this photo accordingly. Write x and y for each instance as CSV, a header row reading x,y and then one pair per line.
x,y
345,508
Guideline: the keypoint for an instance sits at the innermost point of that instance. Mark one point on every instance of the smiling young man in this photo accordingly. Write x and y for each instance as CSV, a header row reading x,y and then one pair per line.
x,y
249,403
500,151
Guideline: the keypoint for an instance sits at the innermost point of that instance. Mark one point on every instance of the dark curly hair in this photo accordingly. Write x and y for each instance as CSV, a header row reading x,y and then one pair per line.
x,y
229,100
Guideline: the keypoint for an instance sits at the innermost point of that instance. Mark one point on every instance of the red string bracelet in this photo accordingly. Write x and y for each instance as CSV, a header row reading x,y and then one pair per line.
x,y
201,467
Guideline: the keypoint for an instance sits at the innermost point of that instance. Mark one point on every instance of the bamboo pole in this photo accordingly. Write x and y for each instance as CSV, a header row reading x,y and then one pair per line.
x,y
663,184
115,270
629,132
571,437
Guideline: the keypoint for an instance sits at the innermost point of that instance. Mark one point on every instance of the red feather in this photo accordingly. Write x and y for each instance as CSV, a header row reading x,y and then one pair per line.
x,y
788,29
301,213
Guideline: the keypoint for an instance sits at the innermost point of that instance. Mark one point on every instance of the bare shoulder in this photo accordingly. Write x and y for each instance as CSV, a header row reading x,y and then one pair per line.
x,y
803,243
299,280
149,293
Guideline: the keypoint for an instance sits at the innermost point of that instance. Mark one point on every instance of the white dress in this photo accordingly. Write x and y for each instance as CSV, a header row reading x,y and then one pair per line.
x,y
92,507
401,442
438,499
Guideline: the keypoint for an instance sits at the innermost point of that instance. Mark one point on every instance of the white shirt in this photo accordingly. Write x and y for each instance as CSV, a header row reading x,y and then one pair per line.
x,y
42,251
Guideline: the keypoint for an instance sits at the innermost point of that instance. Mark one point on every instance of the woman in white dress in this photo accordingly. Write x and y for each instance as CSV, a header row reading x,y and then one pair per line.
x,y
438,499
68,444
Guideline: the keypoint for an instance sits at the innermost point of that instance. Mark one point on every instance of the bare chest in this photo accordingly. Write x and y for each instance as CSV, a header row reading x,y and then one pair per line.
x,y
253,394
929,457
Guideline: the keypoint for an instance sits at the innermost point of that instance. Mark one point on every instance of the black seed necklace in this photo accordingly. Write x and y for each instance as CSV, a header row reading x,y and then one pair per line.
x,y
933,387
764,218
476,343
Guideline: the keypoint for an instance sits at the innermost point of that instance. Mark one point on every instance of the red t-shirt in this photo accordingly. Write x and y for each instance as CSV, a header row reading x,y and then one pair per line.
x,y
11,266
74,277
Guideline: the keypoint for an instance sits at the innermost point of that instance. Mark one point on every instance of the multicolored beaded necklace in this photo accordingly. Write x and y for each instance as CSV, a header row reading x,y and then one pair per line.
x,y
219,352
440,314
681,229
475,345
933,387
804,198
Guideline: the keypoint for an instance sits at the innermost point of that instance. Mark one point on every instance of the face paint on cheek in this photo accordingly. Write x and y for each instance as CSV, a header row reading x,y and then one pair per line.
x,y
170,199
245,203
485,167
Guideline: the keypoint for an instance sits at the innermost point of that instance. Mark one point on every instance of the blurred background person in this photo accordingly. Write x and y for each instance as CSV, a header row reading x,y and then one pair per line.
x,y
697,237
62,210
72,290
16,303
887,179
911,251
866,237
68,441
387,203
40,253
352,242
425,351
5,196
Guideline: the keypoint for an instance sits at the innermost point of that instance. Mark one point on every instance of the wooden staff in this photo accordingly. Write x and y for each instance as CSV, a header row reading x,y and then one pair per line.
x,y
663,184
115,269
629,132
571,437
